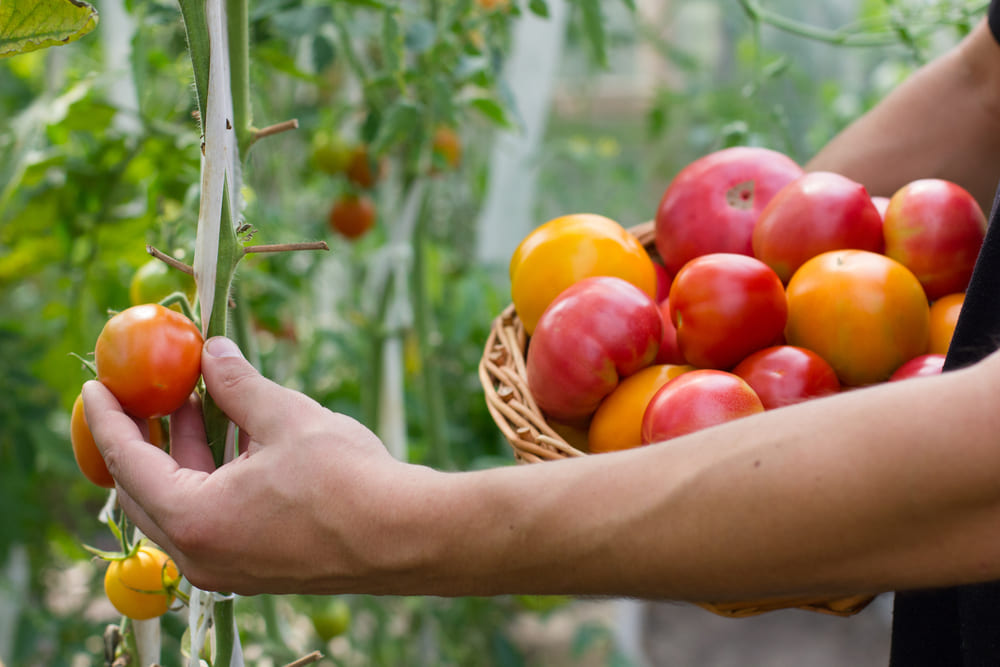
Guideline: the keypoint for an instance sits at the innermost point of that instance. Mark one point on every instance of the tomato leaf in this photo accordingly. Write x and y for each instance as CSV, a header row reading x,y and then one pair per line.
x,y
29,25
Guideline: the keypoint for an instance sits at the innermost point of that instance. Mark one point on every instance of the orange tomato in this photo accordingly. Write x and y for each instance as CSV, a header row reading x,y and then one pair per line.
x,y
617,423
446,148
85,451
864,313
363,170
944,315
567,249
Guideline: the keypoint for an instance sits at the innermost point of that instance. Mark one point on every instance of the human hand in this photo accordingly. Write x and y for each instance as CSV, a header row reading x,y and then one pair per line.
x,y
303,508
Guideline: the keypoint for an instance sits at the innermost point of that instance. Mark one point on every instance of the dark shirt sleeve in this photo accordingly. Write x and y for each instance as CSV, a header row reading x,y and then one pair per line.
x,y
994,19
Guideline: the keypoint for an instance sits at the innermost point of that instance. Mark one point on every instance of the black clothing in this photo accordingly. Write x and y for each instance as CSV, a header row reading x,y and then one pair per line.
x,y
960,626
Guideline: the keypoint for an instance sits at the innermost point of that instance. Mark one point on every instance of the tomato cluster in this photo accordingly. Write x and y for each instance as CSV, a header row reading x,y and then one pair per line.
x,y
765,286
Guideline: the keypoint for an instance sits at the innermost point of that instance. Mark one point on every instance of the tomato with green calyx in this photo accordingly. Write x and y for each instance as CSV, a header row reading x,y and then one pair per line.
x,y
154,281
149,357
142,584
446,148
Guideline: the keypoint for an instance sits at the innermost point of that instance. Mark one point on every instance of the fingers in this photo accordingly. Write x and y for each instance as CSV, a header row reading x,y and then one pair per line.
x,y
142,471
262,408
188,445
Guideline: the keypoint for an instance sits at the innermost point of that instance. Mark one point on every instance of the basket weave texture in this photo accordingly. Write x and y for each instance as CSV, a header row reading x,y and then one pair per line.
x,y
503,376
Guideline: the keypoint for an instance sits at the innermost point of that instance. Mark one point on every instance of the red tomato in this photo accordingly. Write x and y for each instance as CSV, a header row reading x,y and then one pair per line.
x,y
818,212
150,358
712,204
663,281
925,364
935,228
598,330
785,374
669,352
726,306
696,400
864,313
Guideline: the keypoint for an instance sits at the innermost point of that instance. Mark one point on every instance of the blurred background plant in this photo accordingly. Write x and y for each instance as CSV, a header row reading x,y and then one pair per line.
x,y
99,156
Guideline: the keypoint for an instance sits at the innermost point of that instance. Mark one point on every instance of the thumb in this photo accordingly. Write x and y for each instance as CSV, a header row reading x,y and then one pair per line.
x,y
260,407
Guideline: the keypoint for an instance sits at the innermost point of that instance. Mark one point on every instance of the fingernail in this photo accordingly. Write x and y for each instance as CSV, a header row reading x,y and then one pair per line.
x,y
220,346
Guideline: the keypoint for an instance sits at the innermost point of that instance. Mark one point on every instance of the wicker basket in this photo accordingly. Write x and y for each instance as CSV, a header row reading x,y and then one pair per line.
x,y
503,376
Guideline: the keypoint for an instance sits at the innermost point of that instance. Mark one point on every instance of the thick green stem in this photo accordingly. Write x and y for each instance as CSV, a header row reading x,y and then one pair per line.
x,y
196,27
224,623
239,64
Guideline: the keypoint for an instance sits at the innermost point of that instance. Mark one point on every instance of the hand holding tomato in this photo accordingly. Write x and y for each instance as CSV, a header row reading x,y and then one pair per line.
x,y
305,480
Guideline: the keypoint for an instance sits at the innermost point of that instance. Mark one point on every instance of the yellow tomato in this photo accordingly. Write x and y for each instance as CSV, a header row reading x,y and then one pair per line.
x,y
141,585
570,248
617,423
944,316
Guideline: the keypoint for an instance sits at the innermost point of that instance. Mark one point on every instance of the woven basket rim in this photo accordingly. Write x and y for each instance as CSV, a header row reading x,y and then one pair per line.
x,y
502,373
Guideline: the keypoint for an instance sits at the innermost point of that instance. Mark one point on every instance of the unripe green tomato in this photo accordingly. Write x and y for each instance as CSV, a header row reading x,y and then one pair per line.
x,y
154,281
333,620
330,153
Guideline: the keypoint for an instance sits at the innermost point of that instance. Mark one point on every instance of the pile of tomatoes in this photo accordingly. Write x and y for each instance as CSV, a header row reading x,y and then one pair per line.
x,y
764,286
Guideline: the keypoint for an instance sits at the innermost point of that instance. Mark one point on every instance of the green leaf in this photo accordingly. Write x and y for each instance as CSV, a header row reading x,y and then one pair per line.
x,y
401,121
539,8
491,109
29,25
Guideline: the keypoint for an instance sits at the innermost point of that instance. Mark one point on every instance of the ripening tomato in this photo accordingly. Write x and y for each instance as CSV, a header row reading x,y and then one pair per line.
x,y
352,215
696,400
617,423
567,249
446,148
785,374
88,457
864,313
362,169
141,585
149,357
944,317
816,212
596,332
935,228
726,306
712,204
670,351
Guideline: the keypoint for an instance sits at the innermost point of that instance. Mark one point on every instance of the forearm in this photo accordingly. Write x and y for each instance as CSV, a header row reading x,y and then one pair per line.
x,y
828,501
943,121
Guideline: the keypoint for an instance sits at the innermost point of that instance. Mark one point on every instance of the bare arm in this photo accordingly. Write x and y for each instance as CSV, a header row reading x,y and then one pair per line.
x,y
876,489
943,121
